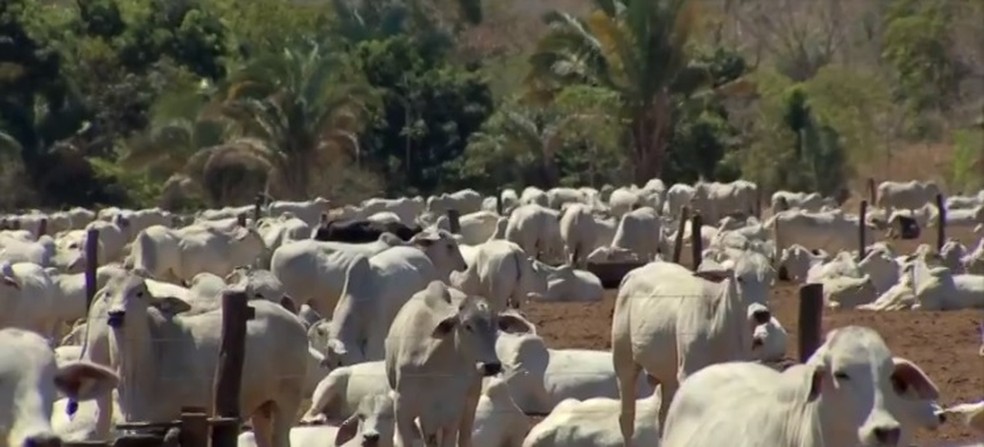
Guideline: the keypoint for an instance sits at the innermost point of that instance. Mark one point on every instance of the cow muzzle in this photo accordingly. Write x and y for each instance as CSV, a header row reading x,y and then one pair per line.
x,y
370,439
491,369
116,318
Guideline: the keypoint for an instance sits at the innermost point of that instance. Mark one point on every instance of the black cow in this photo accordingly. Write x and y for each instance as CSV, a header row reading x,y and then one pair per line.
x,y
359,231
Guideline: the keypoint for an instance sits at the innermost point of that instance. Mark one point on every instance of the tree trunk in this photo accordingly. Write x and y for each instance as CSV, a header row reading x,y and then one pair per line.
x,y
650,138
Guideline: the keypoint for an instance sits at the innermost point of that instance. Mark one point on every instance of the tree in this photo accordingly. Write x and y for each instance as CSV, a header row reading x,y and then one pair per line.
x,y
305,104
430,107
634,47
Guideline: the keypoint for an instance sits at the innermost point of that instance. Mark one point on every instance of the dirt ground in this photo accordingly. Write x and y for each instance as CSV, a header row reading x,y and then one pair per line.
x,y
944,344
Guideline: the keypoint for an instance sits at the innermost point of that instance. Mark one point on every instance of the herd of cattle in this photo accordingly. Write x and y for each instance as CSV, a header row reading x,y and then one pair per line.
x,y
399,331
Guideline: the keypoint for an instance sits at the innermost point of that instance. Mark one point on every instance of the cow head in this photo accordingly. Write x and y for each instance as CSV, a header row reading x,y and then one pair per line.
x,y
442,249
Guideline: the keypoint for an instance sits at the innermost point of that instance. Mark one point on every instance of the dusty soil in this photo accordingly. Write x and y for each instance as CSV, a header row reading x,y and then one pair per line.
x,y
944,344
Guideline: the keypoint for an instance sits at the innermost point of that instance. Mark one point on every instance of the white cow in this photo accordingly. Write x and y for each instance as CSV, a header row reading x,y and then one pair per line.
x,y
338,394
769,338
846,394
308,211
501,272
582,233
28,298
848,292
831,231
465,201
812,202
439,346
180,254
560,197
542,378
31,380
162,374
678,196
285,228
906,195
313,272
973,262
594,423
370,425
375,290
639,230
537,231
715,200
796,261
567,284
113,238
476,227
623,200
672,322
498,421
407,208
972,415
532,195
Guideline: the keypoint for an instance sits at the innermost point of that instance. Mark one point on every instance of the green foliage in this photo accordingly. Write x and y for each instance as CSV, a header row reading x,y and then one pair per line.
x,y
967,173
916,42
430,108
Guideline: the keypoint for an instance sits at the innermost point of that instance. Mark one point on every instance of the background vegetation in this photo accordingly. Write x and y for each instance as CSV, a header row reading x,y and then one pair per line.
x,y
189,102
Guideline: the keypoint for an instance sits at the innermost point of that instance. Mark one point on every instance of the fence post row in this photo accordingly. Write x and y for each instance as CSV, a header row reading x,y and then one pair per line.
x,y
941,223
678,242
498,202
810,316
696,243
257,209
42,228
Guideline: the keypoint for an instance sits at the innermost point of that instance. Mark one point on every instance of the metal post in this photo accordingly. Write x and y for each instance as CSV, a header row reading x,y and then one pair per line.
x,y
941,223
91,265
678,243
810,317
228,375
696,243
241,219
453,221
862,217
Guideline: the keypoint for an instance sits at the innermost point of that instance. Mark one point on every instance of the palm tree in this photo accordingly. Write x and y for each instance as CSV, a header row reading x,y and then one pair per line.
x,y
636,48
305,104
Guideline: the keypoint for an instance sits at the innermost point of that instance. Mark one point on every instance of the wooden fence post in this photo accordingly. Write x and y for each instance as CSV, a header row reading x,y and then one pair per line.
x,y
862,217
941,223
810,317
42,228
696,243
498,202
257,208
91,265
872,191
454,223
241,219
678,243
194,427
228,376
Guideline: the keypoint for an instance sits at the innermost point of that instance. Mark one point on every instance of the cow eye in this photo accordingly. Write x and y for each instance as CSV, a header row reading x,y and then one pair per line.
x,y
468,327
841,375
140,294
259,296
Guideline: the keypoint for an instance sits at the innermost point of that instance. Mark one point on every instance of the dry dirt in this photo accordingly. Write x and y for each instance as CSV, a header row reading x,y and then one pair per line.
x,y
944,344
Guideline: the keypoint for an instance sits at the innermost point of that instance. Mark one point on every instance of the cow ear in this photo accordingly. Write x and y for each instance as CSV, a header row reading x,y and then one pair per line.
x,y
908,376
714,275
347,430
288,303
80,380
511,322
9,281
815,385
445,327
170,305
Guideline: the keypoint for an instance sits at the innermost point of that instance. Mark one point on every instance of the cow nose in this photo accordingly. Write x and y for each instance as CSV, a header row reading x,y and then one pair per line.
x,y
370,436
888,435
491,369
942,417
757,343
47,440
116,317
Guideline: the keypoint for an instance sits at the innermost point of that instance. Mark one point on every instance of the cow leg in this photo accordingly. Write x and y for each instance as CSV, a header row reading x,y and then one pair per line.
x,y
627,372
262,426
450,433
405,424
